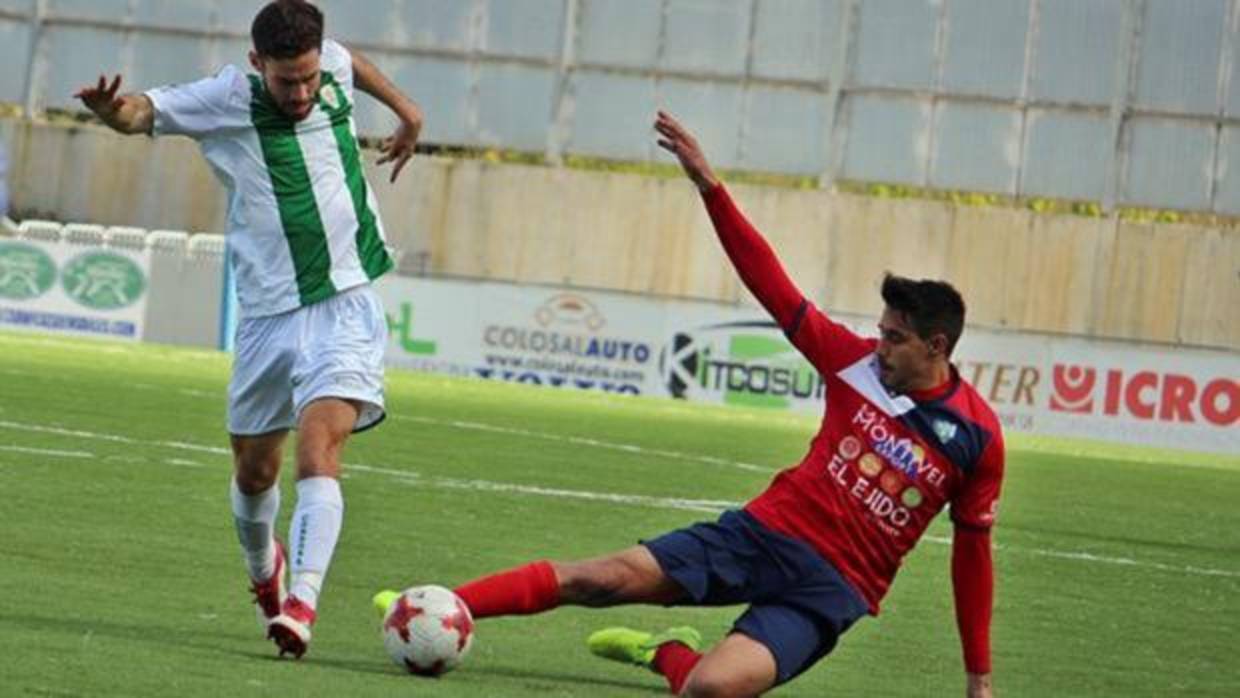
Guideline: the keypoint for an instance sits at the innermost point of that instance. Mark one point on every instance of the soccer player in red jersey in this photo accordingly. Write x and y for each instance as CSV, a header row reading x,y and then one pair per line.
x,y
902,437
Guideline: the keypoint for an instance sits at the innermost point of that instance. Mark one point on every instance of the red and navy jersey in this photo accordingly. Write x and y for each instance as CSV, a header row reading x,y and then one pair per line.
x,y
882,465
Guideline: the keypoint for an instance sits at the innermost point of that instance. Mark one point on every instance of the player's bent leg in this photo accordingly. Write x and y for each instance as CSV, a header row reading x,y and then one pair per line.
x,y
323,428
737,667
632,575
629,576
255,505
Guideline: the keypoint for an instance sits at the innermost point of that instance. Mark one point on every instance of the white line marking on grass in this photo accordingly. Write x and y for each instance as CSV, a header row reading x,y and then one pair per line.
x,y
1105,559
584,441
184,463
414,478
47,452
701,505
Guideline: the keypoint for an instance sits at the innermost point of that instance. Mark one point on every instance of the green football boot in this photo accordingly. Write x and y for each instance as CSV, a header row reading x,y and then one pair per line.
x,y
637,647
383,601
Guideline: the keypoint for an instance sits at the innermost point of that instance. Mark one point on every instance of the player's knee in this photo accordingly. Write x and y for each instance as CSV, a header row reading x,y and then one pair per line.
x,y
704,683
256,469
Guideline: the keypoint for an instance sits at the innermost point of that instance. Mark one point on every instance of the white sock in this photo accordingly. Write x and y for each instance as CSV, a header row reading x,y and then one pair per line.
x,y
313,534
255,518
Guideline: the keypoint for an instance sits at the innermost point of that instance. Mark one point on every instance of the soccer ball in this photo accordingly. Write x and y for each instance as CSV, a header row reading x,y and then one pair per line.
x,y
428,630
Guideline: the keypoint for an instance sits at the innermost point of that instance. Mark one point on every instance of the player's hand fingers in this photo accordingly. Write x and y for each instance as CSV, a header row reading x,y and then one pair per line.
x,y
116,85
400,165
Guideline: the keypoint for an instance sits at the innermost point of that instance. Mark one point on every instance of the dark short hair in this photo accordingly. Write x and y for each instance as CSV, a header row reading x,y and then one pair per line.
x,y
932,307
287,29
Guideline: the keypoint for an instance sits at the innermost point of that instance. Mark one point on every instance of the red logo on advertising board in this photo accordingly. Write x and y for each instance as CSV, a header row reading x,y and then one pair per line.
x,y
1165,397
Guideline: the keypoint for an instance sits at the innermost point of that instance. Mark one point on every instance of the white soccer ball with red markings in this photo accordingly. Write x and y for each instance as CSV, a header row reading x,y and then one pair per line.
x,y
428,630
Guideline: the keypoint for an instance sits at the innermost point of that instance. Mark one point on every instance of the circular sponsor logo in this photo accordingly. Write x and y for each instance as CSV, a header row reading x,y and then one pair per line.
x,y
870,464
850,447
891,482
25,271
911,498
103,280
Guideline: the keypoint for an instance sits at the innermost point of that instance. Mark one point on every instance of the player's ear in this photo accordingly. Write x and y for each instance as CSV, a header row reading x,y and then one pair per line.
x,y
937,345
256,61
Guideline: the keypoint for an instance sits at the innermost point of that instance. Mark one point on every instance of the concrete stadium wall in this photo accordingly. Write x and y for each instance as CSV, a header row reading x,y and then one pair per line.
x,y
1094,277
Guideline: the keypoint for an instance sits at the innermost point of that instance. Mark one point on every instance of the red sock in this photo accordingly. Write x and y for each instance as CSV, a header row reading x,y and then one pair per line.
x,y
531,588
675,660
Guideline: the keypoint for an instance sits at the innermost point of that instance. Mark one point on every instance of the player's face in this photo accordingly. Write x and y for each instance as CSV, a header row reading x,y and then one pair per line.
x,y
292,82
905,360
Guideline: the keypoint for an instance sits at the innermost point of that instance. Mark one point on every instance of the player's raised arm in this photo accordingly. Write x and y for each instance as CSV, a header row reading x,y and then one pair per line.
x,y
399,147
128,114
751,255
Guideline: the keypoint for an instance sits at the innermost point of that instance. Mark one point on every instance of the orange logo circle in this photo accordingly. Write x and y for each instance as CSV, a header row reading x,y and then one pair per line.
x,y
891,482
870,465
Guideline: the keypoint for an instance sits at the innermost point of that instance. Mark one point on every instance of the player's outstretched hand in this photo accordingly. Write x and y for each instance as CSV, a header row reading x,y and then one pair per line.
x,y
399,148
102,98
677,140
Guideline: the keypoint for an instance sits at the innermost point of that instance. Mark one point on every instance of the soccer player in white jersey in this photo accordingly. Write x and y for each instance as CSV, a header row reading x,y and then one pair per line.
x,y
306,242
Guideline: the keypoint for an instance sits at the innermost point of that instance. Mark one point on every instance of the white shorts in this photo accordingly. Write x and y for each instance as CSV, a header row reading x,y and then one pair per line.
x,y
331,349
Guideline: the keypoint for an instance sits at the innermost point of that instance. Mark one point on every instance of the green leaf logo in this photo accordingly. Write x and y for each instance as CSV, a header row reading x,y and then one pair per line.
x,y
103,280
25,271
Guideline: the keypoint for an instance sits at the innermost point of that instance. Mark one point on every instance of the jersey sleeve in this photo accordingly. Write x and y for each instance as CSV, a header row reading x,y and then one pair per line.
x,y
827,345
336,60
977,502
201,108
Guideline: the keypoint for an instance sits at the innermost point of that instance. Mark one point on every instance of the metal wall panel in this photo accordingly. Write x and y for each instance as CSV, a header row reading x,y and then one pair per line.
x,y
442,89
1170,164
888,139
427,24
985,47
833,88
14,51
612,115
514,106
1066,155
620,32
172,13
712,110
1179,63
707,35
89,9
183,60
896,43
784,131
1227,197
1077,47
976,147
82,54
796,39
530,28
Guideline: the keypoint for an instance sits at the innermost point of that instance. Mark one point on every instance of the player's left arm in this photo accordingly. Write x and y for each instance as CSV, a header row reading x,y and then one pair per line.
x,y
399,147
973,585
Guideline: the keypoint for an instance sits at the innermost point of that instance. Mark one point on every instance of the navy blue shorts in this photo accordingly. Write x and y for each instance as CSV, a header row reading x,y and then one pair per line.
x,y
799,605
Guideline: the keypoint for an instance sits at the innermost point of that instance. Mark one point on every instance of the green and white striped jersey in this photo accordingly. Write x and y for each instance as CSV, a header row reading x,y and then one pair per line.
x,y
303,224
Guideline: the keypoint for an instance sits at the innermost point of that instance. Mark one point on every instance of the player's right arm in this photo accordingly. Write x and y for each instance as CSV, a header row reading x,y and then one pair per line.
x,y
828,345
123,113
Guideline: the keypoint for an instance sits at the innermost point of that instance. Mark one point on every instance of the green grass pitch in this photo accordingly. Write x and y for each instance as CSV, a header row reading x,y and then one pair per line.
x,y
1118,570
